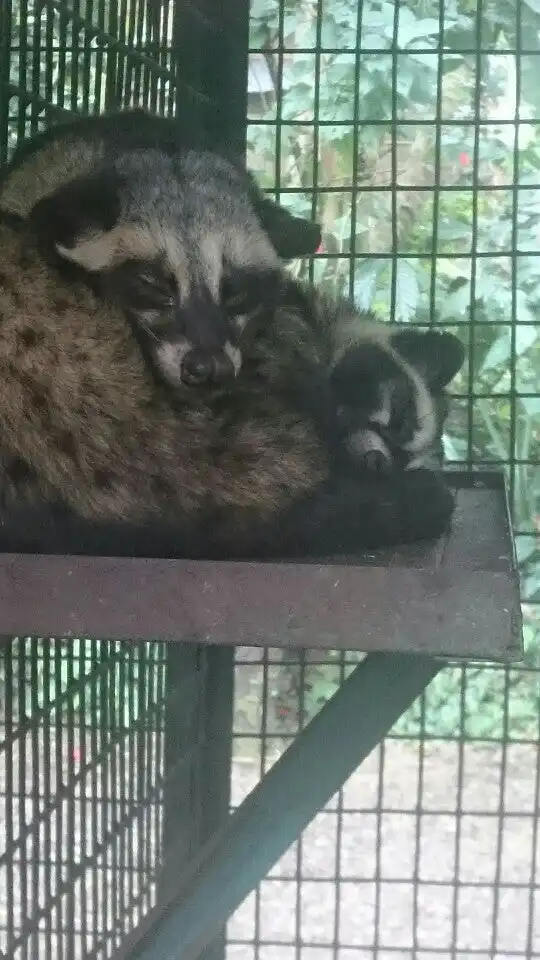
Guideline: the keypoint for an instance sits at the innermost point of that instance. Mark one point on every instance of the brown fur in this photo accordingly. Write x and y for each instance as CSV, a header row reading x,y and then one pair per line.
x,y
83,420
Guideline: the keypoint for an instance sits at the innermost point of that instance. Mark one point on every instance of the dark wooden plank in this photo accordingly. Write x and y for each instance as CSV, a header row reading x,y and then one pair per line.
x,y
457,598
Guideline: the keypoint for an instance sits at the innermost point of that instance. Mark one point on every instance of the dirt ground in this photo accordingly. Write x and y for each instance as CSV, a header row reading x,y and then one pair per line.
x,y
473,854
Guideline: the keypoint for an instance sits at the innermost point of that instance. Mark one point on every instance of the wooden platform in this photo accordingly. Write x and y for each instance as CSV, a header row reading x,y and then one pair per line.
x,y
456,598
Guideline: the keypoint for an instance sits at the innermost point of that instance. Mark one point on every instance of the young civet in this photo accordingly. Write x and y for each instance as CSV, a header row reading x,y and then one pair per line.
x,y
389,387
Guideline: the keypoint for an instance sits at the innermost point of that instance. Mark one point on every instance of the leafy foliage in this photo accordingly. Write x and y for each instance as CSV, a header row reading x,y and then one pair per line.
x,y
423,223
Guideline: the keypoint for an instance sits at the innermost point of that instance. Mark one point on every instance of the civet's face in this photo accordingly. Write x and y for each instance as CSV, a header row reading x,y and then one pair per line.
x,y
177,244
391,397
194,337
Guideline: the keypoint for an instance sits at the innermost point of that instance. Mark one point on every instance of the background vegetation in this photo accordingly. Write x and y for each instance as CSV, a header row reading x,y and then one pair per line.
x,y
400,134
416,149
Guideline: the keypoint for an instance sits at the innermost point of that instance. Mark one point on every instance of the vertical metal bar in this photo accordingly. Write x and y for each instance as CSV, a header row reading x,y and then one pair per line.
x,y
355,166
183,688
435,220
79,761
92,788
20,788
48,776
417,866
338,866
262,767
103,787
12,656
501,776
377,906
458,840
215,771
35,840
225,72
5,63
70,857
472,357
394,217
197,793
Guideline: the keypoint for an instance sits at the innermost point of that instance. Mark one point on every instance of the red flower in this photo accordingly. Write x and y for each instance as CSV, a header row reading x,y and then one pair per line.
x,y
464,159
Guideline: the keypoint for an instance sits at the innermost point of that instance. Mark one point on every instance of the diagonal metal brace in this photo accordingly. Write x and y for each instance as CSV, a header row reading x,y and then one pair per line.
x,y
275,813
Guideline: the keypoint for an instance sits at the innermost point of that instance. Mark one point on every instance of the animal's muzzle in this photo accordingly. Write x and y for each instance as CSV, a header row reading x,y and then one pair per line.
x,y
204,366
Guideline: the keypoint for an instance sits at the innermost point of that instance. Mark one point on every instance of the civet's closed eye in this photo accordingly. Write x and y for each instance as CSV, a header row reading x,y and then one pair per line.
x,y
149,280
156,283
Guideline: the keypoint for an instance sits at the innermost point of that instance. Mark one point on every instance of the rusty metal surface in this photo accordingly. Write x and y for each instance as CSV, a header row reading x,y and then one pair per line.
x,y
456,598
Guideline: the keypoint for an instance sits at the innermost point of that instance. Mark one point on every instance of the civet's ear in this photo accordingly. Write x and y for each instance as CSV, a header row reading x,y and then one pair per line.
x,y
85,207
436,355
74,221
250,295
290,236
357,377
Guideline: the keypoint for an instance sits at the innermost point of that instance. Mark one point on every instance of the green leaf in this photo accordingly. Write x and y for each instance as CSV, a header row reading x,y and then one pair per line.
x,y
500,350
523,312
457,303
498,353
365,282
407,291
417,30
455,448
532,406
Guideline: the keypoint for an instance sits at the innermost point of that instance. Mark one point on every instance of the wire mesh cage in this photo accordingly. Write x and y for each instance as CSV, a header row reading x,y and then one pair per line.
x,y
106,762
408,130
110,753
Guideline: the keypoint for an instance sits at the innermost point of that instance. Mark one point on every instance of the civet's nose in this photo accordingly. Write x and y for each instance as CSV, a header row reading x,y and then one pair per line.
x,y
203,366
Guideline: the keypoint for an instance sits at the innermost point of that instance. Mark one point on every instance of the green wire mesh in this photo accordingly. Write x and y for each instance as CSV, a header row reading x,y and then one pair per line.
x,y
108,754
409,130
